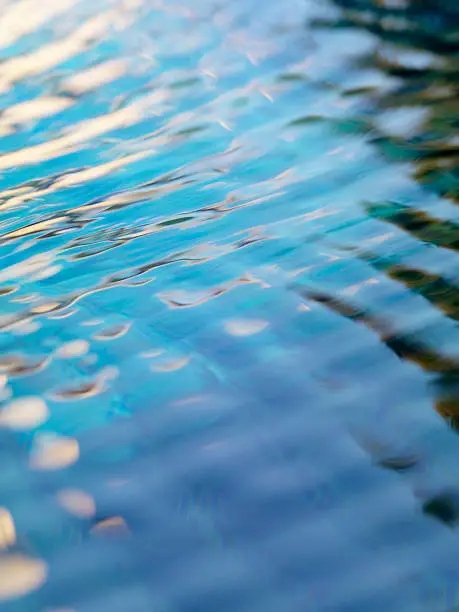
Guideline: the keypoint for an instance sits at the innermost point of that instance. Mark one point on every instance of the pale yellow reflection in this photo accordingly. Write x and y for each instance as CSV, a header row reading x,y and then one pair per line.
x,y
23,328
54,452
63,315
114,526
7,529
92,322
33,228
81,133
44,308
52,54
32,110
19,195
26,16
171,365
354,289
94,77
82,391
75,348
47,272
26,299
20,575
245,327
151,353
77,502
112,333
192,399
125,198
109,373
27,266
24,413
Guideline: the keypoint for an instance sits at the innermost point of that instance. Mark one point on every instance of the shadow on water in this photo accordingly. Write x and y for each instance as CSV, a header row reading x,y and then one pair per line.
x,y
414,123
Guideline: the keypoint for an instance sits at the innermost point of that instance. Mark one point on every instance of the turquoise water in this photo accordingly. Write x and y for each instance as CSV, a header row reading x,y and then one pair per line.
x,y
229,300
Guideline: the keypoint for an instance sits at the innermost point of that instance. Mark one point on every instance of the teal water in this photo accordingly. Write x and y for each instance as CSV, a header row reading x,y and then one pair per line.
x,y
229,363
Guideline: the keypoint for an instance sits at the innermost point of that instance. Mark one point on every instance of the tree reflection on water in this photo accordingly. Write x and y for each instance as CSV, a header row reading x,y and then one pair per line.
x,y
415,121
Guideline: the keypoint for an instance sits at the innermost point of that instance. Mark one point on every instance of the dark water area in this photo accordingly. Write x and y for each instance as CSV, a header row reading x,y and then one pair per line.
x,y
229,305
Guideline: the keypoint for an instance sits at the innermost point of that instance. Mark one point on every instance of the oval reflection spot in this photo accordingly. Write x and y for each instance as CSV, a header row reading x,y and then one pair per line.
x,y
20,575
245,327
54,453
24,413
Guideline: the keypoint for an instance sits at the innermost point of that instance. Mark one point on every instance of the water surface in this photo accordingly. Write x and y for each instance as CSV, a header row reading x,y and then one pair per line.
x,y
229,298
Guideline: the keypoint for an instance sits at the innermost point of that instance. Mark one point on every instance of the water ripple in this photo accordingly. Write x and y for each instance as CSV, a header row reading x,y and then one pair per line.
x,y
229,293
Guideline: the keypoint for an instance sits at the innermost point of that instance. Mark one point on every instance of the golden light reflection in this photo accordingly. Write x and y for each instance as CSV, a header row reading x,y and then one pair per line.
x,y
112,333
47,272
26,299
75,348
151,353
83,132
245,327
24,413
63,315
23,328
45,308
33,228
18,195
52,54
25,16
81,391
54,452
27,267
77,502
171,365
32,110
20,575
96,76
112,527
109,373
7,529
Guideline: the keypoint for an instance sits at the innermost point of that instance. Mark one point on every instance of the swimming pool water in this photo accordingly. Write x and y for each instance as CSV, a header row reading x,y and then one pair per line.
x,y
229,355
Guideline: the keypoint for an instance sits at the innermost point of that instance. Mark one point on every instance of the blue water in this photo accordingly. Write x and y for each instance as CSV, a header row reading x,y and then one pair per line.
x,y
229,242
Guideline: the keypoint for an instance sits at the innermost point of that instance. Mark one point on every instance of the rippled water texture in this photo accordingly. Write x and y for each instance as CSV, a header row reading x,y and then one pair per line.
x,y
229,292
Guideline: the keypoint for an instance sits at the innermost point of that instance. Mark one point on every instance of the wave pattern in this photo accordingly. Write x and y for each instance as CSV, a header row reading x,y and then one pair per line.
x,y
229,364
